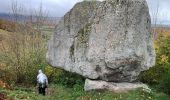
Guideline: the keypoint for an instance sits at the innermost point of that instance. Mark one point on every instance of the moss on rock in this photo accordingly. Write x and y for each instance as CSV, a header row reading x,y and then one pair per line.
x,y
83,36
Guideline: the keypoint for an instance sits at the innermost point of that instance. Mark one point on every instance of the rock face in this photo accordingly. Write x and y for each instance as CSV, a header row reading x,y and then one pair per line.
x,y
109,40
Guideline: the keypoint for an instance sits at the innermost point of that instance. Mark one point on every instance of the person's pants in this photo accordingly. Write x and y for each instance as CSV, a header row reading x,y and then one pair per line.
x,y
41,90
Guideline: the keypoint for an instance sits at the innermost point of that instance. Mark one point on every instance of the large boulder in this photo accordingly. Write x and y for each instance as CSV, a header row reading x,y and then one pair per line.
x,y
109,40
114,87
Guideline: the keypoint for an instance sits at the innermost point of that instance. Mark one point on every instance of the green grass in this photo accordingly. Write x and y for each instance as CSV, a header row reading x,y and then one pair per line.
x,y
59,92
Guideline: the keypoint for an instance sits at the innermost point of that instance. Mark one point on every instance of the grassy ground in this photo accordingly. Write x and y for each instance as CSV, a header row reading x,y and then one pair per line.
x,y
59,92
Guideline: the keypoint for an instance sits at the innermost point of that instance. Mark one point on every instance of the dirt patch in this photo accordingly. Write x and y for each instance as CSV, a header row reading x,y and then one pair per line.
x,y
50,91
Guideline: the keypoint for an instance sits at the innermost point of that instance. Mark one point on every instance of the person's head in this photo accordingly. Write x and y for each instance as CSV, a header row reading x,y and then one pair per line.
x,y
39,71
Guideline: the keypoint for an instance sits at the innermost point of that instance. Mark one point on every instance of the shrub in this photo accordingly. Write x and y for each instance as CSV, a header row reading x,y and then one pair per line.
x,y
155,74
69,79
22,56
53,74
165,82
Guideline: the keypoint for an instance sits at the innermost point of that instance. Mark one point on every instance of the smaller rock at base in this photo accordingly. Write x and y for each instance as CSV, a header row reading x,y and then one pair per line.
x,y
114,87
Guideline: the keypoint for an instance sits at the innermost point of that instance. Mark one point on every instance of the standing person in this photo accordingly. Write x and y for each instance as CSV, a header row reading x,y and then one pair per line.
x,y
42,82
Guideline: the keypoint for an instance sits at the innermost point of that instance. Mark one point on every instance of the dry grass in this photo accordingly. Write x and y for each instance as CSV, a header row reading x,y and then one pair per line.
x,y
165,31
19,51
4,35
8,25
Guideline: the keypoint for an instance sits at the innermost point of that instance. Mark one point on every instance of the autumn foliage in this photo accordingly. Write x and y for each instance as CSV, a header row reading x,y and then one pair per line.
x,y
4,85
8,25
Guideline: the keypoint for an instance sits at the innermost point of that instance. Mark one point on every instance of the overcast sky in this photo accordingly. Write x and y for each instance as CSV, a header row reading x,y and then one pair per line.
x,y
58,8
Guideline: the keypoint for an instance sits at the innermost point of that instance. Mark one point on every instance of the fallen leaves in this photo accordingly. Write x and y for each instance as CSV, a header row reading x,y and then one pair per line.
x,y
4,85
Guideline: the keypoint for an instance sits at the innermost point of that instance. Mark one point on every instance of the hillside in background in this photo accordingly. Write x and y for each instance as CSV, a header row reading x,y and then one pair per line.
x,y
22,18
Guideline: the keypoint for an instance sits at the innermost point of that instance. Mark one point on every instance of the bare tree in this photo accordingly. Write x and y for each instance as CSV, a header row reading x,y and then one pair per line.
x,y
41,16
16,10
155,15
